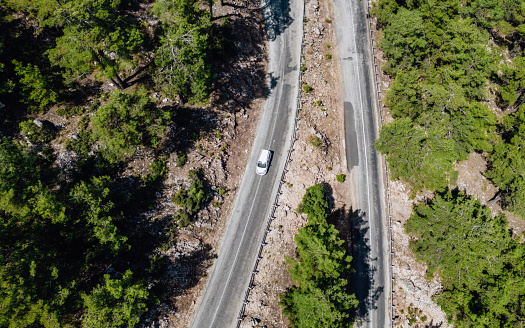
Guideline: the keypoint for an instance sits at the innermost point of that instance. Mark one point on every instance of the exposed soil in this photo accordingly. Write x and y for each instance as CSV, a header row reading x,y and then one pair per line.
x,y
309,165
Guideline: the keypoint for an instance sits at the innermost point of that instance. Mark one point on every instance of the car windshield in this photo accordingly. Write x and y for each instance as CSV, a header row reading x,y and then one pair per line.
x,y
261,165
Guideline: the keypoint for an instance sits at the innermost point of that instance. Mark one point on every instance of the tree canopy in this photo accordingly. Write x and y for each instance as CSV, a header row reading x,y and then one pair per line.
x,y
83,86
321,297
127,120
182,57
480,263
442,62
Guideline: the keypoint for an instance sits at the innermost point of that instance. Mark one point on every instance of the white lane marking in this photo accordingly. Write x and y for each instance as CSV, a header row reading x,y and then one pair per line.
x,y
236,254
365,146
253,202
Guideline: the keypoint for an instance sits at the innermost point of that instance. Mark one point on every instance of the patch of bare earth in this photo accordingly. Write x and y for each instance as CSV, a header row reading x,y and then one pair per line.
x,y
321,116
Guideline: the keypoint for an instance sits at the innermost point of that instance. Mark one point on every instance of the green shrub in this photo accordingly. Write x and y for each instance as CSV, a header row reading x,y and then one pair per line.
x,y
316,142
82,144
307,88
68,112
314,203
318,102
328,56
36,134
116,303
328,20
191,200
340,177
35,88
128,120
329,168
305,20
303,68
182,158
158,167
320,297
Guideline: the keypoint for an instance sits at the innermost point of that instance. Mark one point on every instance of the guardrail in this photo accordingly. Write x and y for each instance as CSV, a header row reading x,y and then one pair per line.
x,y
378,90
271,217
276,201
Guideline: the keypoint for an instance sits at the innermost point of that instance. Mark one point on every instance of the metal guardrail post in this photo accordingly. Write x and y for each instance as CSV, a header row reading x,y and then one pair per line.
x,y
275,204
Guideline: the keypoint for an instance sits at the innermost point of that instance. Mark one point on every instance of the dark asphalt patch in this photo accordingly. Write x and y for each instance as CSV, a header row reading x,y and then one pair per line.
x,y
352,155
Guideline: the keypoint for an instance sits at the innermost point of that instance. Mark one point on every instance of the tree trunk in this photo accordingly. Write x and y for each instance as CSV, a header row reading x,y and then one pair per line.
x,y
118,81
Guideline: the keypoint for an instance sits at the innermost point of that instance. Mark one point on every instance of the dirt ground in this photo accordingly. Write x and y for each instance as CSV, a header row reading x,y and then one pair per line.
x,y
321,116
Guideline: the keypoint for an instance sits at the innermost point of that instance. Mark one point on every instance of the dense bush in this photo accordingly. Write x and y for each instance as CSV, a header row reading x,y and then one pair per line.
x,y
442,62
192,199
321,297
126,121
117,303
479,262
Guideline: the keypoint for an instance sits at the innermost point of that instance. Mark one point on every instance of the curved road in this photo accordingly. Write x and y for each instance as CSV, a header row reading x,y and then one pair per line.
x,y
371,247
231,272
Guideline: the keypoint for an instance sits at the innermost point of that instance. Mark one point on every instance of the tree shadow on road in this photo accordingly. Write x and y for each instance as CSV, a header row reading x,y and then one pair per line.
x,y
362,283
278,19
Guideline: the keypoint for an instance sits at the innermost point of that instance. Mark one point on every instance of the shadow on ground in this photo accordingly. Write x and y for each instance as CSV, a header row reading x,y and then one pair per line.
x,y
278,17
362,282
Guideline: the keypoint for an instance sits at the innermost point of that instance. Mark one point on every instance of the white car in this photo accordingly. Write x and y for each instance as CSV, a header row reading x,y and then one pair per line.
x,y
263,162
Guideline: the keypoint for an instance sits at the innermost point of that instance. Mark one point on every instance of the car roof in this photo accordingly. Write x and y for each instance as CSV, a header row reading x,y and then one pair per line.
x,y
264,155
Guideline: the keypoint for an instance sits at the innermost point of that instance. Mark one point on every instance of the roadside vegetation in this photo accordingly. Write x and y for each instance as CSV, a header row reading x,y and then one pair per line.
x,y
480,263
69,248
321,297
449,61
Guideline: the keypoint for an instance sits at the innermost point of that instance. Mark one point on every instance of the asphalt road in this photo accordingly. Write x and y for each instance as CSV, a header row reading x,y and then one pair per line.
x,y
370,236
230,274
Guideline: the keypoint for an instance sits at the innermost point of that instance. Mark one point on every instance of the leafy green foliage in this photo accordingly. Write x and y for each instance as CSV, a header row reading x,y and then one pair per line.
x,y
126,121
117,303
314,203
507,162
192,199
35,133
182,158
513,82
423,158
92,199
442,63
64,221
320,298
317,142
181,58
49,236
481,266
307,88
340,178
82,144
35,88
96,37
